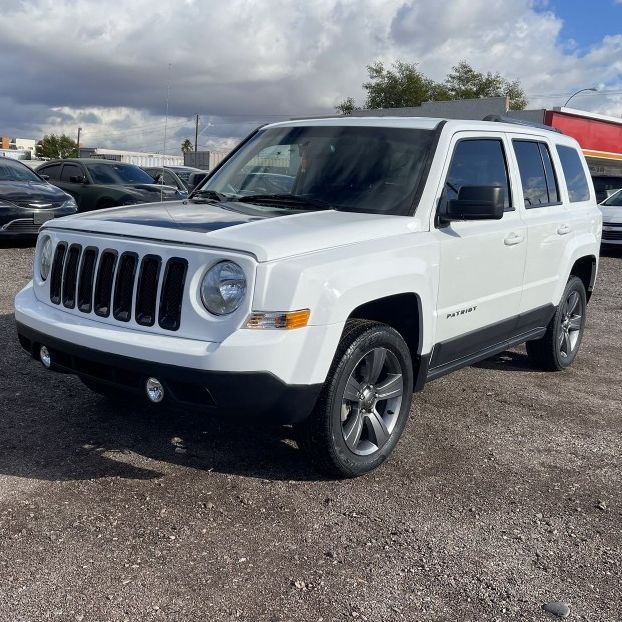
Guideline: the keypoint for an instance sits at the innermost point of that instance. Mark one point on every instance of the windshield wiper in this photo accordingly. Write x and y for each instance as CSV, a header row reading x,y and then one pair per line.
x,y
288,201
212,195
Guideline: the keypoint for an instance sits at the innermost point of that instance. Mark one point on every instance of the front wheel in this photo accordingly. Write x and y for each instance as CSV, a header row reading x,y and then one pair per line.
x,y
365,402
560,344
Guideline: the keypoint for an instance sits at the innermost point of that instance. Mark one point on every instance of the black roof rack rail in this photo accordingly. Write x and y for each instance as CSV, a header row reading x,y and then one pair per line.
x,y
497,118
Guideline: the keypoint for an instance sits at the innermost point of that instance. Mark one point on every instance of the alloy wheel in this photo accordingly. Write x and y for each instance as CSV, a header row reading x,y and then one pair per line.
x,y
570,325
371,401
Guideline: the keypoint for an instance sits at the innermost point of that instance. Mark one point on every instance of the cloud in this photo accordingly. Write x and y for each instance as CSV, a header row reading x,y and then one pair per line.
x,y
105,67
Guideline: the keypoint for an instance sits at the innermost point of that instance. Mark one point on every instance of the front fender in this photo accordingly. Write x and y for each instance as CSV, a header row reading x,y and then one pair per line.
x,y
333,283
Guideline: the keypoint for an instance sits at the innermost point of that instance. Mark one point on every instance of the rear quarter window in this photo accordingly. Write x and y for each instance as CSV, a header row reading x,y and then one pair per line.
x,y
576,181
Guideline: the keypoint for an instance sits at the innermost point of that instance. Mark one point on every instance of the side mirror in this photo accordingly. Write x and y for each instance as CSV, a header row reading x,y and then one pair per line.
x,y
44,177
476,203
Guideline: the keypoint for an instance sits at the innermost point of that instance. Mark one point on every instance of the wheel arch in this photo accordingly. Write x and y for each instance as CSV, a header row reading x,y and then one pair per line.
x,y
585,268
402,312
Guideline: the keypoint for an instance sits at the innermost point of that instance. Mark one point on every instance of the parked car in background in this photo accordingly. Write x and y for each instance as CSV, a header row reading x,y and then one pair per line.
x,y
27,200
98,184
605,186
176,176
612,219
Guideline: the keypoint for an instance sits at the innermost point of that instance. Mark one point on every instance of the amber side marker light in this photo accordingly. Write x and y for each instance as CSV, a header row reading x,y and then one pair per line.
x,y
286,320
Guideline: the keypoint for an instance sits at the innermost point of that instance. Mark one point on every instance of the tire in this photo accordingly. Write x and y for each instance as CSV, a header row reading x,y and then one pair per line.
x,y
351,431
560,344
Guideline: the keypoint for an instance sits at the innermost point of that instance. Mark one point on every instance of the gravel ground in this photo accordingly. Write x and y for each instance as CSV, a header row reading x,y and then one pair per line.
x,y
504,494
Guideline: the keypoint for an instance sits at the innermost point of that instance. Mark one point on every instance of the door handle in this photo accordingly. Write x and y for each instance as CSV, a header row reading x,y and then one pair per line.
x,y
564,229
512,239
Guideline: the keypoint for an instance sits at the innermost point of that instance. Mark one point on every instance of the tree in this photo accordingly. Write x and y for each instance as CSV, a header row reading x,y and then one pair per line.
x,y
464,82
55,146
186,146
404,85
401,86
347,106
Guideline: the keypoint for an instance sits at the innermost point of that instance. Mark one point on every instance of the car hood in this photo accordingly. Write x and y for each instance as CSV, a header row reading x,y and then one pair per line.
x,y
611,213
35,194
266,233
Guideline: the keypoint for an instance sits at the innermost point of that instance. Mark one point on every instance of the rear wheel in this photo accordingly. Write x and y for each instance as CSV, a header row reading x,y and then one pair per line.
x,y
560,344
365,402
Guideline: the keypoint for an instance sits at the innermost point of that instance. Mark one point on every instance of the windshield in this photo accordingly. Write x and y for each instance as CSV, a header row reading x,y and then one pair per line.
x,y
355,168
118,174
14,171
614,199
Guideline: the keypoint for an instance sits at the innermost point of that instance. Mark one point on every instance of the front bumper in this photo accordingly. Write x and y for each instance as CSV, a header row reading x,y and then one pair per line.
x,y
612,233
268,373
250,394
19,222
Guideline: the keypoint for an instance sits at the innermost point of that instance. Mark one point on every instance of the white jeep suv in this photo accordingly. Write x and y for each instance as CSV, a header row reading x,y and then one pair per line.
x,y
325,271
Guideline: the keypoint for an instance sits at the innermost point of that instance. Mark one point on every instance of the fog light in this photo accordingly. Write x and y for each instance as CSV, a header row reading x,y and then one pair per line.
x,y
45,357
155,390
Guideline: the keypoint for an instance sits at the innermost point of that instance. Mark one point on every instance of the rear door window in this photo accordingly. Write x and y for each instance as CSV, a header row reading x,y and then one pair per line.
x,y
576,181
537,174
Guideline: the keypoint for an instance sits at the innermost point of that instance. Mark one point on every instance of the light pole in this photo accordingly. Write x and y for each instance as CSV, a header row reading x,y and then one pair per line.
x,y
592,88
79,130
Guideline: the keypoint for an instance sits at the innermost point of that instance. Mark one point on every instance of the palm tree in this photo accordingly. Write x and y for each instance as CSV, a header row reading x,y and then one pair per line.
x,y
186,146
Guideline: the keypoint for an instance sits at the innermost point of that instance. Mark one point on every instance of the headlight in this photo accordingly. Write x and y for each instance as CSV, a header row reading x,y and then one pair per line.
x,y
223,288
45,258
70,202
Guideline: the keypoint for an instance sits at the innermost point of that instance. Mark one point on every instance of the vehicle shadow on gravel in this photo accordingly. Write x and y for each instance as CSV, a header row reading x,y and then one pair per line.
x,y
54,428
509,360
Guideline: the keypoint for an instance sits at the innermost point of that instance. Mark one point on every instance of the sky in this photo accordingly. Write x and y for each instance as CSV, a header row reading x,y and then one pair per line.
x,y
108,66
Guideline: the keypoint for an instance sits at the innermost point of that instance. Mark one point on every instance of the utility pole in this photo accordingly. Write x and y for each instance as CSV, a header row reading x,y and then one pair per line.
x,y
79,130
196,138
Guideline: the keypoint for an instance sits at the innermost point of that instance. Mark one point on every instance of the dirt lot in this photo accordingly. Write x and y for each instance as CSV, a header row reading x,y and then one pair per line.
x,y
505,493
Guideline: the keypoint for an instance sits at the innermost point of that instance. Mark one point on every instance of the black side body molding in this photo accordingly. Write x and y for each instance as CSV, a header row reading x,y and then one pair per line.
x,y
450,355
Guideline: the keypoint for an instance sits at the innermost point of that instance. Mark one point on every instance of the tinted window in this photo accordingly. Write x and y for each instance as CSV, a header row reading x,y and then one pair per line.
x,y
578,189
69,171
605,186
614,199
184,173
118,174
348,168
478,163
536,173
169,179
52,171
11,170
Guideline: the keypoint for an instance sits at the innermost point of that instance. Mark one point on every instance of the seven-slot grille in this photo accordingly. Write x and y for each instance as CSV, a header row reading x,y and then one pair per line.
x,y
612,235
124,284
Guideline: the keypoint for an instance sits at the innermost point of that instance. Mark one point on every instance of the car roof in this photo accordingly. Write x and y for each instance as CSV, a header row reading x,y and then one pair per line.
x,y
87,161
425,123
